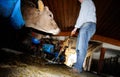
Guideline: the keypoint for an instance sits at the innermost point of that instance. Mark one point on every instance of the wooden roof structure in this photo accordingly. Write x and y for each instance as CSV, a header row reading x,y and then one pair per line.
x,y
108,13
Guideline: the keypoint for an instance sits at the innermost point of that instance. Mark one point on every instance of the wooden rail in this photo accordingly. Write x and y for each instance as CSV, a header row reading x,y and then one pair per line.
x,y
96,37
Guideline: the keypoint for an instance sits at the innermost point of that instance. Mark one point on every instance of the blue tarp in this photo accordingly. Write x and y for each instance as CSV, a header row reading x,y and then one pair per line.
x,y
11,10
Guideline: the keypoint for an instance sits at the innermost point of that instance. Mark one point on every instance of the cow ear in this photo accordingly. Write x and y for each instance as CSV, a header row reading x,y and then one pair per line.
x,y
40,5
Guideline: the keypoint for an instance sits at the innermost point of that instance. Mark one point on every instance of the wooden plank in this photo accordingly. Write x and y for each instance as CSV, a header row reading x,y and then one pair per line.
x,y
96,37
106,39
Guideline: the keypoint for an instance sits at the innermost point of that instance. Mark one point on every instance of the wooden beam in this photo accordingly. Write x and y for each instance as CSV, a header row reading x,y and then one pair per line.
x,y
66,34
106,40
95,37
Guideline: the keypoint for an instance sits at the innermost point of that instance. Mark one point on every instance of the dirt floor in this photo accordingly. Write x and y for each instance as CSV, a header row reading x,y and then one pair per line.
x,y
17,64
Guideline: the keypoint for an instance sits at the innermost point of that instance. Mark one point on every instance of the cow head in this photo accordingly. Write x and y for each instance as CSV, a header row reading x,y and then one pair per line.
x,y
40,19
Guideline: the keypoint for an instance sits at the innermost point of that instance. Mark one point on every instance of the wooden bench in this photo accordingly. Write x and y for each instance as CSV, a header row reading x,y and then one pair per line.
x,y
93,47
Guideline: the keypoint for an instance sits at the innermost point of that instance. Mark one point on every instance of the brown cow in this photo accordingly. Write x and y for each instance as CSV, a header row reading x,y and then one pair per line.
x,y
40,19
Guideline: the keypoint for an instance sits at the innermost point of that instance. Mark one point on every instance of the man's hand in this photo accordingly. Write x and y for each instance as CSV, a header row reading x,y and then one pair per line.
x,y
73,31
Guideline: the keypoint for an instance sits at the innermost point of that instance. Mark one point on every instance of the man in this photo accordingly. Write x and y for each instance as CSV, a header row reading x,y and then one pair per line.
x,y
86,22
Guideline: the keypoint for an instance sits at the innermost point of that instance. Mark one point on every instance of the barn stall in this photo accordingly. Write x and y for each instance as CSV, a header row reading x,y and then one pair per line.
x,y
34,50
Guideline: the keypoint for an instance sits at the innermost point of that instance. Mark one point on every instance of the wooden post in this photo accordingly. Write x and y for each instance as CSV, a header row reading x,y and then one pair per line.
x,y
101,59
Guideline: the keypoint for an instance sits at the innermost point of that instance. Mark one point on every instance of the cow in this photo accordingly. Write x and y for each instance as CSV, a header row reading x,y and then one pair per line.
x,y
40,18
41,21
28,15
23,16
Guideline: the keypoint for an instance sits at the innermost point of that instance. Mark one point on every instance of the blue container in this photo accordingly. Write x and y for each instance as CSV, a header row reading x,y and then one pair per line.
x,y
49,48
35,41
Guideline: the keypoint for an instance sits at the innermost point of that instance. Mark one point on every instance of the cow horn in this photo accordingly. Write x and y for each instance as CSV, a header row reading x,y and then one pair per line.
x,y
40,5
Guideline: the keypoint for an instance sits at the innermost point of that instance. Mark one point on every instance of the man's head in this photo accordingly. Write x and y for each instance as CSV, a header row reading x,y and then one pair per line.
x,y
80,1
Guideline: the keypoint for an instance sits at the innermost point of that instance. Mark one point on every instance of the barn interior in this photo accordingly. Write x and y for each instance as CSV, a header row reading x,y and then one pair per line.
x,y
21,55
